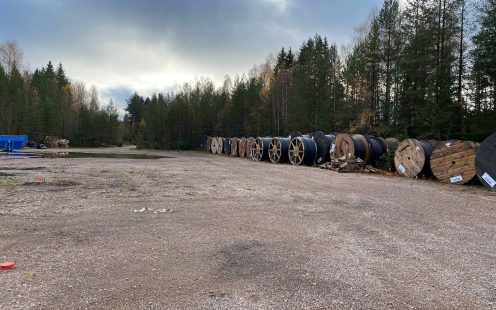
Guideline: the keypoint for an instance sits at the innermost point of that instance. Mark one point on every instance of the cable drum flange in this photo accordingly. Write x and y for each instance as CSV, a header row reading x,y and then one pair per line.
x,y
260,149
278,149
302,151
234,146
227,146
485,162
412,157
248,147
346,145
242,147
454,161
323,143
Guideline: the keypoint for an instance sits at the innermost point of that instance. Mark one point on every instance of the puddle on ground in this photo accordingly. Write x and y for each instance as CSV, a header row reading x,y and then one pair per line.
x,y
24,155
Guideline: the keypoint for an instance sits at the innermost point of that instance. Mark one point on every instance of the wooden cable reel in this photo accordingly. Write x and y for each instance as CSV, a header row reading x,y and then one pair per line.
x,y
234,147
213,146
412,158
242,147
348,146
260,149
378,148
208,147
248,146
220,145
392,143
227,146
278,149
302,150
485,162
454,162
204,142
323,143
294,134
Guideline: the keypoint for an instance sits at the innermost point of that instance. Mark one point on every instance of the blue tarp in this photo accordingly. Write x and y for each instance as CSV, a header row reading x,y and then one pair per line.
x,y
13,142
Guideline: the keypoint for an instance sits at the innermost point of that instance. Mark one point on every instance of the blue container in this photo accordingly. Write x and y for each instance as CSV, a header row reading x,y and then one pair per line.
x,y
13,142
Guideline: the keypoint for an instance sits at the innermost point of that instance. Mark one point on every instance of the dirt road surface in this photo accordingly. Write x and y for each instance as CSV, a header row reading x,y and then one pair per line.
x,y
200,231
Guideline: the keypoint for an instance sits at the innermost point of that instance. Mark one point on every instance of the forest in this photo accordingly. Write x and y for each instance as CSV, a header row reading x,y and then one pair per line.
x,y
423,69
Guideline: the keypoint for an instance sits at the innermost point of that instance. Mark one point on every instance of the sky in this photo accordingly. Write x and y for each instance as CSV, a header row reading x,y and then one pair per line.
x,y
148,46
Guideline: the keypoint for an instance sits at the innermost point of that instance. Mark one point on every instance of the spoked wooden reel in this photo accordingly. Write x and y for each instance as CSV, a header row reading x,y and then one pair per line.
x,y
260,149
278,150
302,150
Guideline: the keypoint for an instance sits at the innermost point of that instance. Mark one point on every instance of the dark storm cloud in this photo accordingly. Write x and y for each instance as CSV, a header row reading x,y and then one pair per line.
x,y
151,45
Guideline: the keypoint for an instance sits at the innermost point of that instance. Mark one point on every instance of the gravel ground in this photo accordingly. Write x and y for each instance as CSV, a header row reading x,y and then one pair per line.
x,y
229,233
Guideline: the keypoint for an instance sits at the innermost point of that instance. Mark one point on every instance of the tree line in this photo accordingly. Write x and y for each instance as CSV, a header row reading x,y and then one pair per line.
x,y
424,69
46,103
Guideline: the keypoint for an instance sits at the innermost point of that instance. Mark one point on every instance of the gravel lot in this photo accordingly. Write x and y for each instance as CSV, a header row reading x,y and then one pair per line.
x,y
229,233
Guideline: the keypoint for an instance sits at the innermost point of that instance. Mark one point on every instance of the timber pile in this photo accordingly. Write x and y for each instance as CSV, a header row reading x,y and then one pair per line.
x,y
55,142
454,162
347,164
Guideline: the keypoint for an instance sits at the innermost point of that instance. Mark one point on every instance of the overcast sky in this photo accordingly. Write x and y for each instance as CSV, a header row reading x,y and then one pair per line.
x,y
122,46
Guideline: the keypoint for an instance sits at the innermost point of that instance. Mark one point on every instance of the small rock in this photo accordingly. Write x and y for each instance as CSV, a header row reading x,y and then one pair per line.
x,y
39,179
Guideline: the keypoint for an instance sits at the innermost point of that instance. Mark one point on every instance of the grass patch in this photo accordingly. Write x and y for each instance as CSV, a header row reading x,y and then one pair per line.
x,y
10,180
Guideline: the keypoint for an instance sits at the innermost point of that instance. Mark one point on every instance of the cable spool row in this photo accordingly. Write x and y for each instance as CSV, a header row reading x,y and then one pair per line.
x,y
260,149
412,157
278,149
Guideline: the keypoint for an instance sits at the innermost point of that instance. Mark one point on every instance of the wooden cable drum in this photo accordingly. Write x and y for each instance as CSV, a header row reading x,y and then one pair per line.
x,y
234,147
278,149
412,157
260,149
323,143
485,162
227,146
392,143
249,144
346,145
220,145
294,134
204,143
242,147
213,146
302,150
378,148
454,162
209,144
